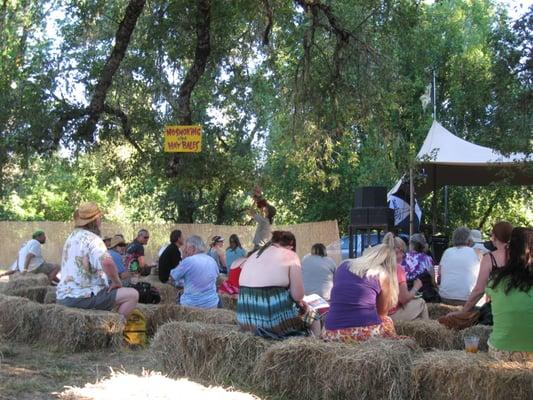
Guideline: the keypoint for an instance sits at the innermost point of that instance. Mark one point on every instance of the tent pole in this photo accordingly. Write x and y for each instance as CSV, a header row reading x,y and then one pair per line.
x,y
434,203
411,202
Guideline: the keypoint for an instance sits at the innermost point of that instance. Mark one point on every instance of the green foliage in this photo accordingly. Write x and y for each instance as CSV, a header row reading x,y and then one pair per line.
x,y
332,102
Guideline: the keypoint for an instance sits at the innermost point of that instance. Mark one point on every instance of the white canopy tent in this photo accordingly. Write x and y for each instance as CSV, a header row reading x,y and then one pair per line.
x,y
445,159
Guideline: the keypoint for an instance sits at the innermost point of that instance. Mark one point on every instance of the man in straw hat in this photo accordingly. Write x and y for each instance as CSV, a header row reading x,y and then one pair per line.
x,y
86,267
31,260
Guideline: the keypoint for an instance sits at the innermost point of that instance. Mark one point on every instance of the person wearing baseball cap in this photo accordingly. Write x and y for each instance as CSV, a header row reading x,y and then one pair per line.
x,y
86,267
31,260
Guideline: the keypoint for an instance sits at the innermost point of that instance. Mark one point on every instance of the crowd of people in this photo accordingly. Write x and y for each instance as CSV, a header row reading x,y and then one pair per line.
x,y
389,282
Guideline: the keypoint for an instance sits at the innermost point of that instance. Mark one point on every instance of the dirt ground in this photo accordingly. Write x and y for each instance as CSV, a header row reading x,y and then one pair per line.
x,y
31,372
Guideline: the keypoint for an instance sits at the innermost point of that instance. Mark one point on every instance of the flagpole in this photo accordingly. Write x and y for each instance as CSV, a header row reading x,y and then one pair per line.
x,y
411,202
434,97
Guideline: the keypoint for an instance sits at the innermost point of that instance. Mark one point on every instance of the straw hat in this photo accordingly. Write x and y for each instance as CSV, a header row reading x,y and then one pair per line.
x,y
117,240
85,213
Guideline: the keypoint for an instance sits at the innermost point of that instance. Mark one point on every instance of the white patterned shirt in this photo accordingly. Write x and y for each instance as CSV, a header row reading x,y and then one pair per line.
x,y
81,265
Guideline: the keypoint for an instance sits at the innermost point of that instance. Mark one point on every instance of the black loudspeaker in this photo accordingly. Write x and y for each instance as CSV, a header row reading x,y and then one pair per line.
x,y
372,216
438,245
371,196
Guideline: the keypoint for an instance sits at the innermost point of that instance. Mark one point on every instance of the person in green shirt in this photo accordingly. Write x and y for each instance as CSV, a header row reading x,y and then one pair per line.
x,y
511,293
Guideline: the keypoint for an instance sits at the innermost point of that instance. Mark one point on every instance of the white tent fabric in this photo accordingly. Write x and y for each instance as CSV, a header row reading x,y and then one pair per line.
x,y
445,159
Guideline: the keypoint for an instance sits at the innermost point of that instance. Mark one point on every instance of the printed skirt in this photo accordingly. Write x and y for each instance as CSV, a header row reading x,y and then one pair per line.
x,y
269,312
361,333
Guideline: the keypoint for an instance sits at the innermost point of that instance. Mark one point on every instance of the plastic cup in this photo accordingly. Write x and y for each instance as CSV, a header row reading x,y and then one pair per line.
x,y
471,344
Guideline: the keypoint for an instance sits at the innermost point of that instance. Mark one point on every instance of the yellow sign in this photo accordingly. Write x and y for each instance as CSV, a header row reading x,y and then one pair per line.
x,y
183,139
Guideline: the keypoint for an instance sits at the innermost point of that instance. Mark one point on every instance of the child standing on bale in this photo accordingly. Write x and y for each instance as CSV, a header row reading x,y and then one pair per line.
x,y
364,289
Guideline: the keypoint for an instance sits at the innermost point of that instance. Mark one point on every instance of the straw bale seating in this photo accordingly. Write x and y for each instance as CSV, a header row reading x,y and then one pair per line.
x,y
58,327
209,352
160,314
307,368
451,375
35,293
437,310
429,334
228,302
50,297
25,281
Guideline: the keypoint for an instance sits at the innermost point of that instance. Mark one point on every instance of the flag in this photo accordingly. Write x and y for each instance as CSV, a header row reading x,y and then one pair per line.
x,y
399,201
426,98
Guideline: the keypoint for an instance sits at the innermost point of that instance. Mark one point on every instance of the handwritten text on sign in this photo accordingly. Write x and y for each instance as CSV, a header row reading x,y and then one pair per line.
x,y
183,138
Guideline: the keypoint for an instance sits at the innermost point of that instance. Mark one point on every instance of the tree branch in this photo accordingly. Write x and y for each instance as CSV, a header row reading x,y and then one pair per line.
x,y
126,127
203,49
122,40
268,28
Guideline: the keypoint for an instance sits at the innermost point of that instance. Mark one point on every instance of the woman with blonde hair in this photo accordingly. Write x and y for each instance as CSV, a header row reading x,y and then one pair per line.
x,y
364,290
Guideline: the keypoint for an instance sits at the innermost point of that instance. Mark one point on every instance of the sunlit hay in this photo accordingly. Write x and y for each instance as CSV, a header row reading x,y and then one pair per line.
x,y
481,331
164,313
228,302
50,297
36,293
437,310
73,329
450,375
150,385
429,334
307,368
19,319
26,281
213,353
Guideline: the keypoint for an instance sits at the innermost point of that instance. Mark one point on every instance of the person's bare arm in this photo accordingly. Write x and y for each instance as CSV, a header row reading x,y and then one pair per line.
x,y
110,269
481,284
222,257
383,301
27,261
405,295
296,285
141,261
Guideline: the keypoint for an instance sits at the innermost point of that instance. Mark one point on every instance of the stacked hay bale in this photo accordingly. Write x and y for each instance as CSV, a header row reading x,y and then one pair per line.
x,y
310,369
437,310
62,328
160,314
72,329
50,297
26,281
20,319
228,302
481,331
450,375
35,293
429,334
209,352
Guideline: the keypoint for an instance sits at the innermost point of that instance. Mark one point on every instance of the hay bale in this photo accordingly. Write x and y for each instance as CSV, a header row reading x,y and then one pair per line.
x,y
150,385
19,319
160,314
26,281
437,310
209,352
450,375
429,334
72,329
228,302
50,297
307,368
481,331
36,293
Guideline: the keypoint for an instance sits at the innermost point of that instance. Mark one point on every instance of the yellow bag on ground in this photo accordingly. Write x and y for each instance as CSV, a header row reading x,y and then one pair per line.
x,y
135,329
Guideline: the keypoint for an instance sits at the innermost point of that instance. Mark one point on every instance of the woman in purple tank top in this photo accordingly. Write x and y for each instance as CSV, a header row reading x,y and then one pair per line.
x,y
364,289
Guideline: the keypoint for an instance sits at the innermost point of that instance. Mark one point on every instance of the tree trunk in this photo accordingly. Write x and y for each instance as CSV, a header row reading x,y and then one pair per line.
x,y
122,41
